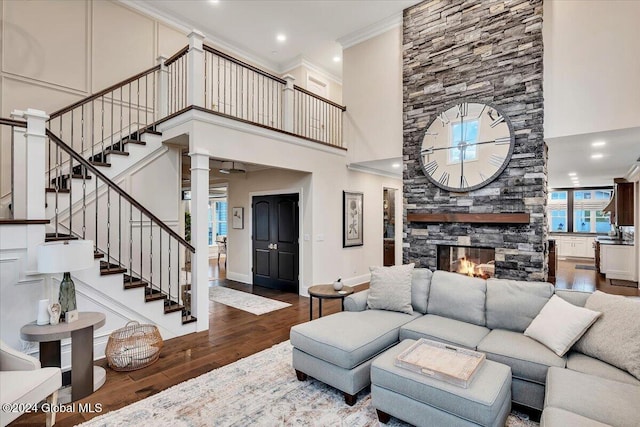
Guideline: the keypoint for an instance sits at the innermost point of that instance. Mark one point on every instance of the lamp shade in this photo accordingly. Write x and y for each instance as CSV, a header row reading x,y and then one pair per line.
x,y
65,256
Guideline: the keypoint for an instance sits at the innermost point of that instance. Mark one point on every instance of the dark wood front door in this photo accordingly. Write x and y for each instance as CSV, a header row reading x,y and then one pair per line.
x,y
275,242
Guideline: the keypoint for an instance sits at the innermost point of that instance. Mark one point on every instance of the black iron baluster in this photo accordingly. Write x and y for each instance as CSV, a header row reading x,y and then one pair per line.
x,y
109,227
131,243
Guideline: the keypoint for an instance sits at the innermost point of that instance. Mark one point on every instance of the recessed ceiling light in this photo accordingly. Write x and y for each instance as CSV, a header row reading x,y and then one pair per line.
x,y
214,1
336,59
597,156
281,37
395,165
598,144
572,174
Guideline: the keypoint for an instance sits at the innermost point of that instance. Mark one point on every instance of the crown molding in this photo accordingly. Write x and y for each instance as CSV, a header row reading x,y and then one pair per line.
x,y
301,61
373,171
143,6
371,31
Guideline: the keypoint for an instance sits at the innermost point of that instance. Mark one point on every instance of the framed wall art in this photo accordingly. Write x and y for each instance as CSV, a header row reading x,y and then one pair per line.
x,y
352,227
237,218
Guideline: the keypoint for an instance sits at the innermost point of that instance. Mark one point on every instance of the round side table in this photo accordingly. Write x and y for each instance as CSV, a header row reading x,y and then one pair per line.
x,y
326,292
85,378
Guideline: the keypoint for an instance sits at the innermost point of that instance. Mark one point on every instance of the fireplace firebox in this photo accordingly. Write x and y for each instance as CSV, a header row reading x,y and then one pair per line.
x,y
467,260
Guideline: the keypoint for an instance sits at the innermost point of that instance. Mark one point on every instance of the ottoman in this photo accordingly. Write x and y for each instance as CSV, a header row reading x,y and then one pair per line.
x,y
424,401
338,349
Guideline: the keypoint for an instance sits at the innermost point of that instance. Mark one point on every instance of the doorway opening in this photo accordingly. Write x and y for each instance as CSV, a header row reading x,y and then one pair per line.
x,y
389,226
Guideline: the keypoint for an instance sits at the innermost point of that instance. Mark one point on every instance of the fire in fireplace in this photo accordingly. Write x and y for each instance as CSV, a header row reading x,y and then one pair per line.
x,y
467,260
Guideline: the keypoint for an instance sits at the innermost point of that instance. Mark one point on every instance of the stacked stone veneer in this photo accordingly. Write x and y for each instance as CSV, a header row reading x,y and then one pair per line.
x,y
488,51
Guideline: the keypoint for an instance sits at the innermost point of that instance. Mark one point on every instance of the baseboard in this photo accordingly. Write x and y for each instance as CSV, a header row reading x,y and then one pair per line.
x,y
242,278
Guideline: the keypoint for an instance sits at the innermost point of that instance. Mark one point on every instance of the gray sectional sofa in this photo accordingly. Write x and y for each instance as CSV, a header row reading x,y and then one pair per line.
x,y
484,315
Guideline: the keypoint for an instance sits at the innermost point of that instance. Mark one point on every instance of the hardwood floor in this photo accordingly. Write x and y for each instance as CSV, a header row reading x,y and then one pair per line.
x,y
235,334
570,277
232,335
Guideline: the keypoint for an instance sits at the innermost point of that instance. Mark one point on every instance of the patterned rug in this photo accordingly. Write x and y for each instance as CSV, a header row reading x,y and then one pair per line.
x,y
585,267
254,304
260,390
625,283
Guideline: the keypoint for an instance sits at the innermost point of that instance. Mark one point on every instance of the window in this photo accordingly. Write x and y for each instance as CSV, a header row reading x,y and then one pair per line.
x,y
217,218
470,137
579,211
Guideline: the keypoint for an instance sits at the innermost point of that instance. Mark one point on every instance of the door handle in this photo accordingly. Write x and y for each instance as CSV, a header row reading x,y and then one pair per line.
x,y
270,246
275,247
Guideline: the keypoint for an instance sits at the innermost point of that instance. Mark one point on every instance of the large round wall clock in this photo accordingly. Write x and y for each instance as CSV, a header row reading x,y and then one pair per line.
x,y
467,146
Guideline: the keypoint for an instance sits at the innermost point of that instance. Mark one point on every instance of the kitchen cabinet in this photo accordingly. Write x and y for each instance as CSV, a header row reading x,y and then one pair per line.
x,y
389,252
624,203
575,246
618,262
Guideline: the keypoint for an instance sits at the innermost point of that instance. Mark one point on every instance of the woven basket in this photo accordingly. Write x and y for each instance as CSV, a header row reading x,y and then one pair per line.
x,y
133,347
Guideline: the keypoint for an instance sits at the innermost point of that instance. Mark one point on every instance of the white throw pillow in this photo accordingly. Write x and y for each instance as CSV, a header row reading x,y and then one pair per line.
x,y
390,288
560,324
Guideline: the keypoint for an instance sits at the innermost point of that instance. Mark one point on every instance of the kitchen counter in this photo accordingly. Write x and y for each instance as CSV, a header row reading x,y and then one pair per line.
x,y
606,240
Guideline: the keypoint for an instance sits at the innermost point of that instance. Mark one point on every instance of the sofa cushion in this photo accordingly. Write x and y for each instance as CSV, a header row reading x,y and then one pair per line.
x,y
529,360
445,330
578,298
592,366
347,339
615,337
560,324
600,399
420,284
458,297
390,288
513,304
556,417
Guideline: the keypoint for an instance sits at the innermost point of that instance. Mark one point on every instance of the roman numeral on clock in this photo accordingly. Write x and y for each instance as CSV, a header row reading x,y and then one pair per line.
x,y
463,182
496,160
503,140
426,151
463,109
443,118
444,178
483,177
431,167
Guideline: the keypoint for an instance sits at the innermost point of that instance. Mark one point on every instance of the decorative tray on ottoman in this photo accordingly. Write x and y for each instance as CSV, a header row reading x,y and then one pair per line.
x,y
448,363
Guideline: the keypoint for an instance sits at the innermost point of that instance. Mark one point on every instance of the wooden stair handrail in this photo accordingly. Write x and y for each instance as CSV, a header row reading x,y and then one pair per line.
x,y
12,122
306,92
103,92
81,160
176,56
243,64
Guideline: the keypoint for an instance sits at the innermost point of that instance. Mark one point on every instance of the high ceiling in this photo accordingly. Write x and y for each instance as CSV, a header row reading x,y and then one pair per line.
x,y
311,28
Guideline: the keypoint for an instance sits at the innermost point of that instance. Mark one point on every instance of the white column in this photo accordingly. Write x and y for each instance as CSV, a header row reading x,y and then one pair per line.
x,y
288,103
199,239
162,95
195,73
31,153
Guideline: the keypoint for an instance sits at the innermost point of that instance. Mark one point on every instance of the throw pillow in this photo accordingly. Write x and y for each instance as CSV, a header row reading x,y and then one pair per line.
x,y
560,324
420,284
615,338
390,288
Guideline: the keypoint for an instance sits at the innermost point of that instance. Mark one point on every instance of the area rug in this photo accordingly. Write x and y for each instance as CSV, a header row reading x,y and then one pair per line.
x,y
585,267
260,390
625,283
254,304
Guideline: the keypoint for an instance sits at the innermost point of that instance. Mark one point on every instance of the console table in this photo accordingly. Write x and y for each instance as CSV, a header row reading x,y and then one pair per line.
x,y
85,378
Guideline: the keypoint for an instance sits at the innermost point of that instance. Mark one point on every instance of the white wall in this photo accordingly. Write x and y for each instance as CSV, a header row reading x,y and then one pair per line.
x,y
302,72
591,66
372,92
321,174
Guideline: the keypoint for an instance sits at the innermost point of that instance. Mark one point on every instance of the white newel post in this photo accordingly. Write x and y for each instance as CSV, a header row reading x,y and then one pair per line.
x,y
29,166
195,73
29,177
288,103
162,95
199,239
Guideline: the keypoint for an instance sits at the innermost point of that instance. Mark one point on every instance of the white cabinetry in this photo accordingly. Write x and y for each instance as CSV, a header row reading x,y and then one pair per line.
x,y
618,262
578,246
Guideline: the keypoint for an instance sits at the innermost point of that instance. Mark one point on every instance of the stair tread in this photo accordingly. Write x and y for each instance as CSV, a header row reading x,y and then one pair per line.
x,y
108,268
118,152
188,319
172,308
133,282
94,163
97,255
134,141
59,190
152,132
52,237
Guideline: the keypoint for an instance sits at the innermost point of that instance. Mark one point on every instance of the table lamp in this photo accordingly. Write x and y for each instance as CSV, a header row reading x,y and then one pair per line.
x,y
64,257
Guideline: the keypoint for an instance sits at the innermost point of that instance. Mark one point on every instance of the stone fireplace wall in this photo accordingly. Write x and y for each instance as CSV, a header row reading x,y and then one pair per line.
x,y
489,51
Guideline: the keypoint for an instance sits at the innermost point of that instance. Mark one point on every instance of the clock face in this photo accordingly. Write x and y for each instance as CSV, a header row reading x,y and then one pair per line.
x,y
466,146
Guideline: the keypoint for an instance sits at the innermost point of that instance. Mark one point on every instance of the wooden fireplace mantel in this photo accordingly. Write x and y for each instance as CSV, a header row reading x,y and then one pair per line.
x,y
478,218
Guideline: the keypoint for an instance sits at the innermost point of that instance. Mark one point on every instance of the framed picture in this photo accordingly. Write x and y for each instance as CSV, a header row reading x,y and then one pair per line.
x,y
237,218
352,228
